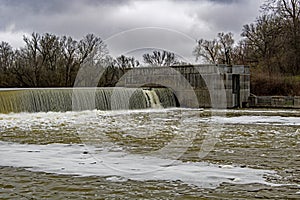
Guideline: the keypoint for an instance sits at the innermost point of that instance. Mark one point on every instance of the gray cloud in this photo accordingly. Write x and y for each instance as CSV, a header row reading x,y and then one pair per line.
x,y
196,18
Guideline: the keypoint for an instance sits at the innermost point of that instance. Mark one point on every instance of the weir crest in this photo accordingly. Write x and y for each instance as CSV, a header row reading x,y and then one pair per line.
x,y
61,99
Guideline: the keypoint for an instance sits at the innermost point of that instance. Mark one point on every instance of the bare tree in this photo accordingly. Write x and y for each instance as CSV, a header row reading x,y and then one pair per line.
x,y
123,62
160,58
69,58
216,51
266,43
91,47
6,63
6,56
30,60
50,49
226,41
35,64
90,54
208,50
288,11
48,60
115,69
239,54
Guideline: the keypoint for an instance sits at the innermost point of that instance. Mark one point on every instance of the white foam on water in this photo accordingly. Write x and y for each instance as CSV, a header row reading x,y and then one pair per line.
x,y
119,166
43,120
276,111
272,120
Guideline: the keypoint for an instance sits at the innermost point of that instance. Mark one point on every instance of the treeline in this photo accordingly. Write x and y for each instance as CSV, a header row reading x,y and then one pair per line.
x,y
51,61
273,42
270,46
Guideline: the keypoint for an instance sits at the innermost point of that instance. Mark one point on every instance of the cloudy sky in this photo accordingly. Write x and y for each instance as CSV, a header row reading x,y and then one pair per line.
x,y
128,26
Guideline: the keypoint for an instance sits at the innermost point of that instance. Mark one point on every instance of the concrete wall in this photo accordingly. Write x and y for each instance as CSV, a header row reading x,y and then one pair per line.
x,y
274,101
194,85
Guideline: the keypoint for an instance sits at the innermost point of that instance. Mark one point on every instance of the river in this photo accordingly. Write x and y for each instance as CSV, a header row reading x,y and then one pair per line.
x,y
173,153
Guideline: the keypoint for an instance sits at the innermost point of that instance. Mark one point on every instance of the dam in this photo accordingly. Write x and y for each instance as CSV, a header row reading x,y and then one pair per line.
x,y
223,86
77,99
191,86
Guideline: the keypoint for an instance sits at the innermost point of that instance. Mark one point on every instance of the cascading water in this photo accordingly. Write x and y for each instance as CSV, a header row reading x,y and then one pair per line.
x,y
64,99
166,97
152,99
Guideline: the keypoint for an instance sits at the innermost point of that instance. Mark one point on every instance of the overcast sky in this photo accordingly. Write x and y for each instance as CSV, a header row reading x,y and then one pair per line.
x,y
128,26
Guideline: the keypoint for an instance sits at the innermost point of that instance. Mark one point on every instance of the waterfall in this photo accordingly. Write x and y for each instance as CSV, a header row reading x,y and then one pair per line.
x,y
166,97
152,99
66,99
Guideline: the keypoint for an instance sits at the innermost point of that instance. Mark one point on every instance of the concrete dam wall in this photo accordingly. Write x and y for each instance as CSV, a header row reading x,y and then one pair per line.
x,y
217,86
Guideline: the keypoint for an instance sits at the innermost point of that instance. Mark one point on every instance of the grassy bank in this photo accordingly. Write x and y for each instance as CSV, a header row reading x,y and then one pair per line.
x,y
265,84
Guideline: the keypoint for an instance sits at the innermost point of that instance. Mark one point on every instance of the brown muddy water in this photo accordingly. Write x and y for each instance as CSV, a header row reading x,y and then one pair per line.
x,y
151,154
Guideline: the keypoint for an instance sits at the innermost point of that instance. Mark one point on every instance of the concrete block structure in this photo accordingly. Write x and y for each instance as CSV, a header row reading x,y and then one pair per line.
x,y
274,101
206,86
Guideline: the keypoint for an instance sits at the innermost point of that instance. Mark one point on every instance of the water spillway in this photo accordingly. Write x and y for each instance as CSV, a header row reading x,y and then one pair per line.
x,y
68,99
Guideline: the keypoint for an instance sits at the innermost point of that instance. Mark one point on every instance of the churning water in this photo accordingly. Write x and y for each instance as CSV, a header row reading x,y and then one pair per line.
x,y
151,153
